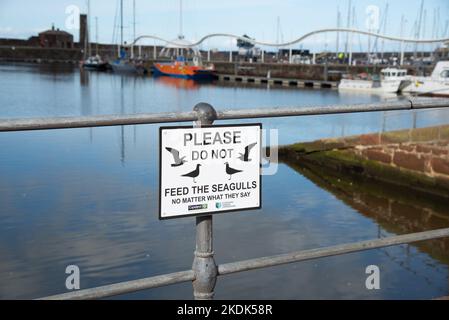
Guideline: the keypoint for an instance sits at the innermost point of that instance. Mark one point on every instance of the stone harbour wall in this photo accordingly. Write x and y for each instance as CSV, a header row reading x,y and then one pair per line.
x,y
424,150
413,158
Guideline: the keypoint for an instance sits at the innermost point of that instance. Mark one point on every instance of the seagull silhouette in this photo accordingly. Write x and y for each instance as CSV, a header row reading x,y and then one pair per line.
x,y
231,171
178,161
245,157
194,174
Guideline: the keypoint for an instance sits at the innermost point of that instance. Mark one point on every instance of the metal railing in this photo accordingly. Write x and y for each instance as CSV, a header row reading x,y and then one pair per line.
x,y
205,271
199,114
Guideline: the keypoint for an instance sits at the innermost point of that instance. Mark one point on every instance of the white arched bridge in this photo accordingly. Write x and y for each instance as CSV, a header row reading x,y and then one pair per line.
x,y
293,42
186,45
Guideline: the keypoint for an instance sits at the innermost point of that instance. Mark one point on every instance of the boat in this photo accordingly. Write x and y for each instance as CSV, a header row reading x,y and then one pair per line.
x,y
95,63
181,68
186,59
437,85
124,65
391,80
186,62
127,63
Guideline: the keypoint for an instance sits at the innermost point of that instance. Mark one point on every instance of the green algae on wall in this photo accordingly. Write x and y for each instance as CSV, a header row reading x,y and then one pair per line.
x,y
342,155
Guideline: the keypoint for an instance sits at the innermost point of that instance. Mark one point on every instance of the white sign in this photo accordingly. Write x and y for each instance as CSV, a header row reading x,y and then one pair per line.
x,y
209,170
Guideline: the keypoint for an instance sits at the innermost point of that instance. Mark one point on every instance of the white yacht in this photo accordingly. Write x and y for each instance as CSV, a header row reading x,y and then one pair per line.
x,y
435,85
391,80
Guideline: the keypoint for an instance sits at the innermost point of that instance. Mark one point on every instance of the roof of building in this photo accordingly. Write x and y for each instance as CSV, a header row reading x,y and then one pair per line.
x,y
54,31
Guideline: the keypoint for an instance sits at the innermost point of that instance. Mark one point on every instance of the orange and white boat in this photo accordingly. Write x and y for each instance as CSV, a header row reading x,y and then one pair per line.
x,y
184,69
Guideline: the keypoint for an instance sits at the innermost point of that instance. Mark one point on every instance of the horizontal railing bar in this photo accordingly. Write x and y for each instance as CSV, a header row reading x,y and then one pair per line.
x,y
425,103
266,262
126,287
153,118
94,121
234,267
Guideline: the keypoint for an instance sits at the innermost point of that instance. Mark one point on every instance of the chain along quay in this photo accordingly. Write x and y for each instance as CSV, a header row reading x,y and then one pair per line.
x,y
287,154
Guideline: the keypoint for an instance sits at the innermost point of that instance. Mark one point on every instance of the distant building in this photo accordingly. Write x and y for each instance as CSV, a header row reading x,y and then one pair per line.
x,y
297,52
55,38
31,42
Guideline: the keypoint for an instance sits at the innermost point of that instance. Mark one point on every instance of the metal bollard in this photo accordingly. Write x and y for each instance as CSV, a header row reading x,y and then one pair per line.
x,y
204,265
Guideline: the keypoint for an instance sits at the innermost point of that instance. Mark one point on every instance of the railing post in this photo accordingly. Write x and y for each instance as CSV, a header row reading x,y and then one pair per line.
x,y
204,265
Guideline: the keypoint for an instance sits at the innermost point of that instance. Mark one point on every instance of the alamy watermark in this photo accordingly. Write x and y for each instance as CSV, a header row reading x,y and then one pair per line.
x,y
270,155
372,22
372,282
72,21
72,282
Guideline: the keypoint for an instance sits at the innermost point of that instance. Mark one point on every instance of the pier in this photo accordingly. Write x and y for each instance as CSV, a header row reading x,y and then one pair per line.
x,y
285,82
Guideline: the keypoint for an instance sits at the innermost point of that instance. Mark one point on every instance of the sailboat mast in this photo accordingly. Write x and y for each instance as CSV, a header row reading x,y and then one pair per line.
x,y
96,35
180,20
424,33
418,28
88,28
134,19
446,29
338,33
351,40
134,28
401,61
348,26
384,30
121,22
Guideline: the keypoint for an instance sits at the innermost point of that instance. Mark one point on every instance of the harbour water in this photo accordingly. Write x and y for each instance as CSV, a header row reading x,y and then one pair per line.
x,y
88,197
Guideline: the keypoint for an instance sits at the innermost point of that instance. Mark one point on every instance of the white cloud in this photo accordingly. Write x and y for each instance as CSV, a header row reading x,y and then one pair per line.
x,y
6,30
9,32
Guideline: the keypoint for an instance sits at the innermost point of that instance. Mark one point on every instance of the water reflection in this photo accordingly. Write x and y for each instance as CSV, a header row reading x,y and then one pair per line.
x,y
84,78
185,84
395,211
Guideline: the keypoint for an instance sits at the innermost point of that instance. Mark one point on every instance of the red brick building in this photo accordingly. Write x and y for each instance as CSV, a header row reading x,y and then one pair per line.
x,y
55,38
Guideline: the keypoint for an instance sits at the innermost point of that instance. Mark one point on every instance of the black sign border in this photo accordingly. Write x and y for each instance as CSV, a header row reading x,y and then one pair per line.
x,y
209,213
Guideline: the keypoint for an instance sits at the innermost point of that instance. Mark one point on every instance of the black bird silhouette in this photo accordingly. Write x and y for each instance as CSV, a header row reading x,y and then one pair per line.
x,y
231,171
194,174
245,157
178,161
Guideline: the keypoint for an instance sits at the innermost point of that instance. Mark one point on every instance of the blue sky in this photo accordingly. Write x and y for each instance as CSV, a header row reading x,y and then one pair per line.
x,y
258,18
